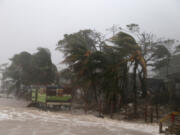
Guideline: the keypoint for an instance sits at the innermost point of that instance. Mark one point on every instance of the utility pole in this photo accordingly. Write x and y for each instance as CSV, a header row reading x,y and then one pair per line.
x,y
113,29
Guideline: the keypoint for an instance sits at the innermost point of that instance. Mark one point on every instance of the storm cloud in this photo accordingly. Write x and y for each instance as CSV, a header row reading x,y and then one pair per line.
x,y
28,24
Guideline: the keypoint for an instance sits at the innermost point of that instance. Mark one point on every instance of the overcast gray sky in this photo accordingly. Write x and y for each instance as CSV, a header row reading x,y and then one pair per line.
x,y
28,24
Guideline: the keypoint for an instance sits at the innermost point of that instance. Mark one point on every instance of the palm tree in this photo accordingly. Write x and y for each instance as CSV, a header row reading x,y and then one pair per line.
x,y
128,47
101,67
79,50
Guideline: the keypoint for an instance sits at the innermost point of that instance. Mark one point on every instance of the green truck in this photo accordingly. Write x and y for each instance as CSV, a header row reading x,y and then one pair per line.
x,y
51,96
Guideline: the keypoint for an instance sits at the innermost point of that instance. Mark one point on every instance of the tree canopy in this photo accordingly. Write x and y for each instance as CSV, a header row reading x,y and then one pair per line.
x,y
31,69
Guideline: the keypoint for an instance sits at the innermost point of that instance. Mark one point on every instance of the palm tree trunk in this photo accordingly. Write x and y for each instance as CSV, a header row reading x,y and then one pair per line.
x,y
135,88
111,105
145,112
143,80
157,112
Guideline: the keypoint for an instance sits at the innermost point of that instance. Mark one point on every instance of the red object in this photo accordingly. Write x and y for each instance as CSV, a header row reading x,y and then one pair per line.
x,y
172,117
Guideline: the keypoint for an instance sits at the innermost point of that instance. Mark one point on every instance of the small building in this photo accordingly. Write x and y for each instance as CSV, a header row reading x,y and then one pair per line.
x,y
51,95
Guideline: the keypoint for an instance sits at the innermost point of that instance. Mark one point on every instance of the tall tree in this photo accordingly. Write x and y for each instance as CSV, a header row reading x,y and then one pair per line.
x,y
30,69
132,52
99,66
43,67
78,49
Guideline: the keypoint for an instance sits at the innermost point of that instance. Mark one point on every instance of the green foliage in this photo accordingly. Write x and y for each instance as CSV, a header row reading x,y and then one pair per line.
x,y
43,67
177,50
133,27
99,68
166,59
161,52
126,44
20,68
31,69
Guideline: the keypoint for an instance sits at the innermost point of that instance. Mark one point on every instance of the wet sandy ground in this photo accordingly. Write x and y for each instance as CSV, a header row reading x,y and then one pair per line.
x,y
17,119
